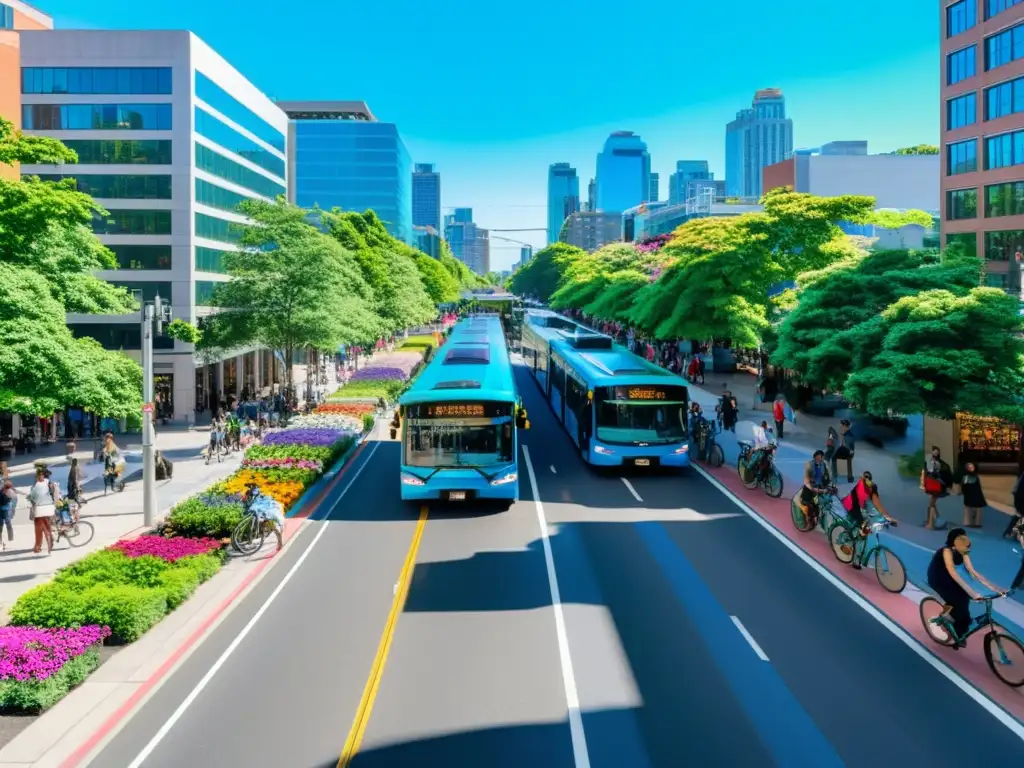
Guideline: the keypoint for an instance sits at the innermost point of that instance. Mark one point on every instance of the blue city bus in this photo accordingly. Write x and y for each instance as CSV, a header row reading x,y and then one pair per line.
x,y
460,420
619,409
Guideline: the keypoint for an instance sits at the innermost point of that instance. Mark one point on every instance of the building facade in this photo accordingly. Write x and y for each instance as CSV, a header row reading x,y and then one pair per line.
x,y
760,135
426,197
591,195
591,230
525,254
623,173
686,171
15,16
343,157
563,197
469,243
652,195
982,161
170,139
427,240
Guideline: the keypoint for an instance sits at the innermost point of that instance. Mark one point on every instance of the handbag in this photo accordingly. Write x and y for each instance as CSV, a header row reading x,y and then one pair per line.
x,y
932,486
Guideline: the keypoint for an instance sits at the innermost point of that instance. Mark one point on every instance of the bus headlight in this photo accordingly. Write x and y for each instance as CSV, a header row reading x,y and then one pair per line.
x,y
603,451
408,479
682,449
511,477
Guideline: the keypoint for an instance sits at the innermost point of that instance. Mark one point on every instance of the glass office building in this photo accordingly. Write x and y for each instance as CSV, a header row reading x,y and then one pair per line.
x,y
343,158
426,197
563,197
623,173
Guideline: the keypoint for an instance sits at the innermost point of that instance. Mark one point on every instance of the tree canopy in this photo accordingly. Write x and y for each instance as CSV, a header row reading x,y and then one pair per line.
x,y
47,256
542,275
918,149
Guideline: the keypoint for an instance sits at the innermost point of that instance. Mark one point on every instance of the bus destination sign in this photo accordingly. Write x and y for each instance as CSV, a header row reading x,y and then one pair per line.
x,y
456,411
645,393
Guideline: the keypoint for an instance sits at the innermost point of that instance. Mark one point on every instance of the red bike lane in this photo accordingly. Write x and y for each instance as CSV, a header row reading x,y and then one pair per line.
x,y
902,609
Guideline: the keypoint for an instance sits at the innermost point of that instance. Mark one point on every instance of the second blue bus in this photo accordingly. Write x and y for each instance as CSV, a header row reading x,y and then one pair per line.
x,y
618,408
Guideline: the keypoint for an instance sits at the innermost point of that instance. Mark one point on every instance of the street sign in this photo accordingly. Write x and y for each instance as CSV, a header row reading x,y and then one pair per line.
x,y
147,407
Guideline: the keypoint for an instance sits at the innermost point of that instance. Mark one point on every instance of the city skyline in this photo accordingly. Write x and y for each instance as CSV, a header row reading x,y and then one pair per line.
x,y
686,120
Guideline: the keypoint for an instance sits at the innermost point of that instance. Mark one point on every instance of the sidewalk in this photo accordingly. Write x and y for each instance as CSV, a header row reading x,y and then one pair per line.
x,y
113,516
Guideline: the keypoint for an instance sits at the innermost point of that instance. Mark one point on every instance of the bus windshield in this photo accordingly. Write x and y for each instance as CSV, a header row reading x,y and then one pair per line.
x,y
453,435
631,415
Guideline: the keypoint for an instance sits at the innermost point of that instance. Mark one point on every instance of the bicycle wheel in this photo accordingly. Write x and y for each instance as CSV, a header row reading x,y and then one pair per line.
x,y
79,534
248,535
740,463
842,543
716,458
800,520
748,476
889,570
930,610
1005,656
773,485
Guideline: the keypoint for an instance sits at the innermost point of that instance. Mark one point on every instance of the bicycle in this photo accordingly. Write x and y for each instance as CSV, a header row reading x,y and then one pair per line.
x,y
65,525
709,449
251,532
821,516
765,474
845,535
216,447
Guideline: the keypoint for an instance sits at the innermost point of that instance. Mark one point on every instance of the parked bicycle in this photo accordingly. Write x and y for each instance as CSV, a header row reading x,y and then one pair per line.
x,y
708,448
263,516
756,467
858,544
65,524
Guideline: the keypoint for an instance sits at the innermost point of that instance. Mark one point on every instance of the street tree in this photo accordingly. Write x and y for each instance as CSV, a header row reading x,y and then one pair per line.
x,y
442,287
939,353
542,275
918,149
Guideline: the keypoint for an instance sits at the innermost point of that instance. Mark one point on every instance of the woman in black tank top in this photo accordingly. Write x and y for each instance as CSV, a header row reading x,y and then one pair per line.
x,y
950,585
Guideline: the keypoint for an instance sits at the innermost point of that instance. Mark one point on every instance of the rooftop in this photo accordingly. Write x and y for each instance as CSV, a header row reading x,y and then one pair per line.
x,y
327,110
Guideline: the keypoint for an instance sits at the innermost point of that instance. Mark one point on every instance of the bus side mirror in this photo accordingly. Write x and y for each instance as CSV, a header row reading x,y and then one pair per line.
x,y
394,433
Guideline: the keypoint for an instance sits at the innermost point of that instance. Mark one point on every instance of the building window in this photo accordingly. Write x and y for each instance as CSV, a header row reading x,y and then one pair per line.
x,y
218,197
227,169
1003,244
204,292
6,17
210,260
961,16
961,111
1004,150
121,151
217,229
993,7
209,126
145,290
996,280
118,336
1004,47
117,187
157,257
1004,99
88,117
967,241
961,64
234,110
962,157
97,80
132,223
1006,199
961,204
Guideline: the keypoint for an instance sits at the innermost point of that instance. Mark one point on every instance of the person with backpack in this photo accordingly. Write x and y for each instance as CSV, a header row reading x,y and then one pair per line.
x,y
936,479
843,449
861,504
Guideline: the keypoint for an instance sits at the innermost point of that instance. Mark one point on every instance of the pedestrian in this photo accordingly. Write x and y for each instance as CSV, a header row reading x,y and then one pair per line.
x,y
973,496
1017,521
845,450
936,478
75,481
779,414
41,510
8,501
701,367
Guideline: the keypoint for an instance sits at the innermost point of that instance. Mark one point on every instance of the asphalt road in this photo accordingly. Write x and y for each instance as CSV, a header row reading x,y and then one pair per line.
x,y
670,601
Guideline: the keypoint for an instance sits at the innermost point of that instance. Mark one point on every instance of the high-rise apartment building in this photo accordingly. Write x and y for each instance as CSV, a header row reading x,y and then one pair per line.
x,y
652,195
469,243
170,139
686,171
982,163
342,157
760,135
15,16
591,230
525,254
623,173
563,197
426,197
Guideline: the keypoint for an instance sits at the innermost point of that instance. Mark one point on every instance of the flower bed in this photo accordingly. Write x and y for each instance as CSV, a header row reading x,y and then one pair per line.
x,y
39,666
171,550
387,376
355,410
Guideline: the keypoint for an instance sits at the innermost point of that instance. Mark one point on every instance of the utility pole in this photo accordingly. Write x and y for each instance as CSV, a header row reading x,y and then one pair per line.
x,y
153,316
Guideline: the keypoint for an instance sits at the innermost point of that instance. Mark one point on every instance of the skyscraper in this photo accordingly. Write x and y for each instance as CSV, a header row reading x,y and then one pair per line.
x,y
469,243
343,157
563,197
652,196
686,171
525,254
426,197
623,173
592,195
760,135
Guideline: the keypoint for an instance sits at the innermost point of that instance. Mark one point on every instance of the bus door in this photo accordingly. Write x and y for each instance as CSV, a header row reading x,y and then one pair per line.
x,y
557,387
576,410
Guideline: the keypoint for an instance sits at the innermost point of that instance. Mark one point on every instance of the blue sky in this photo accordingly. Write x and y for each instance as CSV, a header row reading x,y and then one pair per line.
x,y
495,92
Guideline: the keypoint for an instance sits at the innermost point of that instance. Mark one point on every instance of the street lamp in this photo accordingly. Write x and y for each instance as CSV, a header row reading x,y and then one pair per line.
x,y
154,315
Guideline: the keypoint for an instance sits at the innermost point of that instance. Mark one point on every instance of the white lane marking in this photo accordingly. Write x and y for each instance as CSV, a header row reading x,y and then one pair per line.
x,y
1004,717
632,490
581,757
173,719
553,472
749,638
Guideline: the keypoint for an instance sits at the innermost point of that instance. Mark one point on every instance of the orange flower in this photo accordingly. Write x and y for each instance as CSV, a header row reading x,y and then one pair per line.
x,y
355,410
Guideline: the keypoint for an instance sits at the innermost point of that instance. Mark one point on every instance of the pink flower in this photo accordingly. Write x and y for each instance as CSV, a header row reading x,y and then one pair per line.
x,y
170,550
28,653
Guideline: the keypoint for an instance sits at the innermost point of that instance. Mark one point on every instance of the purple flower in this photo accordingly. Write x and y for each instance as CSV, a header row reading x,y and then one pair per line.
x,y
374,373
312,436
170,550
28,653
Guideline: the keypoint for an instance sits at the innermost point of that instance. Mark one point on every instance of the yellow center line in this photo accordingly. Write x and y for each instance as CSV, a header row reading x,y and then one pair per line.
x,y
362,719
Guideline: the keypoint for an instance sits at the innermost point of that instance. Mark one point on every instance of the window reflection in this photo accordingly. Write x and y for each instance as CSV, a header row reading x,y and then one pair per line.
x,y
440,445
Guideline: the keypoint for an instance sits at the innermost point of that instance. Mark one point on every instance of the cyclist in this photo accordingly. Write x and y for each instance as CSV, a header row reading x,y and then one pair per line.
x,y
865,498
816,481
947,582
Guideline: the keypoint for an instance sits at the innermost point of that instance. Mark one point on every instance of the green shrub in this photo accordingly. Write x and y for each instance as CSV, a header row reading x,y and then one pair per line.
x,y
49,605
195,518
367,422
33,696
300,452
129,611
205,567
178,585
911,464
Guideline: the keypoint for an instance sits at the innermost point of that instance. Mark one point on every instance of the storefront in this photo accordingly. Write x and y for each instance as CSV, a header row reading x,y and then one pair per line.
x,y
992,445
